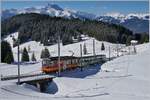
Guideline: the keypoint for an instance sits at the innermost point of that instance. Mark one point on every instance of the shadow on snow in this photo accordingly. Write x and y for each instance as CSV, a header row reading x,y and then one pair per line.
x,y
77,73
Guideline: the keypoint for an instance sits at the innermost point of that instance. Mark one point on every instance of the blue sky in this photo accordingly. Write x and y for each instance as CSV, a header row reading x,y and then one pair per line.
x,y
95,7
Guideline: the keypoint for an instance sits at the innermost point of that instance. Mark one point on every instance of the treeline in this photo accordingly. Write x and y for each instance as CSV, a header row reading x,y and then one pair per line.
x,y
8,57
46,29
7,54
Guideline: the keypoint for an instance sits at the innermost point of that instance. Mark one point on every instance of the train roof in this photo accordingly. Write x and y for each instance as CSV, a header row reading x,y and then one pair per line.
x,y
87,56
72,57
63,57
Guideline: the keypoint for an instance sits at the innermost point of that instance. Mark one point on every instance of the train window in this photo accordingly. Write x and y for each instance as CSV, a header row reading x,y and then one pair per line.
x,y
67,62
76,61
46,62
72,61
43,63
51,63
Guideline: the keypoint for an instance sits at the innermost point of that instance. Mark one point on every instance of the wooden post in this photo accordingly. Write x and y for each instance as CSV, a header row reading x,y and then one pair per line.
x,y
81,57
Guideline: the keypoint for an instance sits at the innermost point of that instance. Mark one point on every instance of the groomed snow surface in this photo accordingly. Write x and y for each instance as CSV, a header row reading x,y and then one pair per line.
x,y
124,78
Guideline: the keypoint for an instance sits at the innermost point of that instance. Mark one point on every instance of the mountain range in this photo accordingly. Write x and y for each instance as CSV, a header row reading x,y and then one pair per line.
x,y
138,23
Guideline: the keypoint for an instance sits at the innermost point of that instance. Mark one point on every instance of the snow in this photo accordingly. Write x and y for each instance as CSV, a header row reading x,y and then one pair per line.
x,y
140,15
123,17
9,38
6,69
115,15
52,10
123,78
36,47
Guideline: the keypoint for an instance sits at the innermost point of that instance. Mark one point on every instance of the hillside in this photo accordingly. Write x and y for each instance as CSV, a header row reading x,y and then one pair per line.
x,y
45,29
125,78
65,50
136,22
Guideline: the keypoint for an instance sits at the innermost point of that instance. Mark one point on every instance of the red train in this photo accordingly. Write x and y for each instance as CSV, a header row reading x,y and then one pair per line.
x,y
69,62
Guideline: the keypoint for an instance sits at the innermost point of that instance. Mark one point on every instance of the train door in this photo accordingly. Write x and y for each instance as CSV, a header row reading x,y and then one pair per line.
x,y
65,65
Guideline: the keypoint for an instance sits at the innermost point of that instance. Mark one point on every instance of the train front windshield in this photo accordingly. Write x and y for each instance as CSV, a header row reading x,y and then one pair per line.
x,y
46,62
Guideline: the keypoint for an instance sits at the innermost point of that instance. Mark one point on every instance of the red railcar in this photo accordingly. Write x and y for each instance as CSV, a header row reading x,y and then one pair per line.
x,y
70,62
66,62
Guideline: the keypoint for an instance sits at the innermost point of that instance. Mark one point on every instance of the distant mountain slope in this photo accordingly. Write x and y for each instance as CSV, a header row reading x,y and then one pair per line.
x,y
46,29
50,9
137,23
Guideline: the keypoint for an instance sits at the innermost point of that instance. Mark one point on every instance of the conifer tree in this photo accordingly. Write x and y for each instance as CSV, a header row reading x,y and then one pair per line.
x,y
128,42
6,53
25,55
102,47
33,57
8,58
45,53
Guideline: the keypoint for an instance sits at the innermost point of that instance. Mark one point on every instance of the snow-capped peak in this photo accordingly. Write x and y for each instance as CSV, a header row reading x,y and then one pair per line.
x,y
49,9
138,15
53,6
120,16
115,15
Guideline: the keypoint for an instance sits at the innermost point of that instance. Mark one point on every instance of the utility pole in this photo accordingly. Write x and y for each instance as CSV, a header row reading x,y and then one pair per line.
x,y
93,47
81,57
117,49
18,42
109,53
59,55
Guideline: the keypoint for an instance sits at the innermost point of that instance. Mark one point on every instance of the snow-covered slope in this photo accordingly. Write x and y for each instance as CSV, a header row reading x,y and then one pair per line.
x,y
124,78
135,22
36,47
